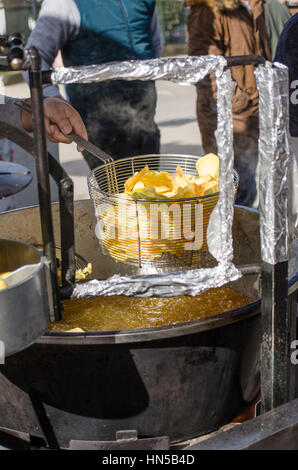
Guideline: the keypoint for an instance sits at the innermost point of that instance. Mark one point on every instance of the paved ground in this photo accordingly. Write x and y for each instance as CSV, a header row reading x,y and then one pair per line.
x,y
175,117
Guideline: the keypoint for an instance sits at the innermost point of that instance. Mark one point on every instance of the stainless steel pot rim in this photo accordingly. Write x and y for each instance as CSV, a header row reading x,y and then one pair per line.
x,y
39,266
80,262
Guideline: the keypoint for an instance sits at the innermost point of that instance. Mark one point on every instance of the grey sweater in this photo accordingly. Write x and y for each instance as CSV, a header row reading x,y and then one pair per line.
x,y
9,113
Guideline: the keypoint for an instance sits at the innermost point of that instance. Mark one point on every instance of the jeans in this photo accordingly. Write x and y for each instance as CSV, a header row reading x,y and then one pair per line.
x,y
246,165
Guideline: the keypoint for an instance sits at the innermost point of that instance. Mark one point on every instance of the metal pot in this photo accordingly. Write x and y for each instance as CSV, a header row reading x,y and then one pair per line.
x,y
180,381
89,387
24,313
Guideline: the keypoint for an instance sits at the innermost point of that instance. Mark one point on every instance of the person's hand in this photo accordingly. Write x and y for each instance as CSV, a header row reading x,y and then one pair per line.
x,y
59,116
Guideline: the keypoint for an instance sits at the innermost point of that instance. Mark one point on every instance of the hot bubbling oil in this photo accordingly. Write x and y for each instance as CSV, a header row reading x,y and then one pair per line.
x,y
125,313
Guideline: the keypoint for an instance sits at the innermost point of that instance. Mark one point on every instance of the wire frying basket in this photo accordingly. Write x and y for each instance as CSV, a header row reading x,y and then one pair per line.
x,y
162,233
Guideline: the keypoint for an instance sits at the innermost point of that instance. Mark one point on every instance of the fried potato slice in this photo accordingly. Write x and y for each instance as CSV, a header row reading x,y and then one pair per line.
x,y
135,178
209,187
82,274
208,165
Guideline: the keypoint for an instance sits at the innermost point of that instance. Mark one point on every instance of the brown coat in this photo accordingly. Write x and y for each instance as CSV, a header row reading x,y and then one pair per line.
x,y
225,27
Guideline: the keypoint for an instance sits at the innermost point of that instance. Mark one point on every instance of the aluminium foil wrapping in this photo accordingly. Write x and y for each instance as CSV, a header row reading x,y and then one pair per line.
x,y
183,283
274,155
187,70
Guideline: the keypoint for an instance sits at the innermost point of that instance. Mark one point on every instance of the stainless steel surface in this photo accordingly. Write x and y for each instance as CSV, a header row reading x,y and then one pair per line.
x,y
20,274
24,303
13,178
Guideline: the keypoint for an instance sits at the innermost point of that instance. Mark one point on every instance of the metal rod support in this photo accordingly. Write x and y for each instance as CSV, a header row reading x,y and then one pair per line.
x,y
276,370
67,234
42,167
235,61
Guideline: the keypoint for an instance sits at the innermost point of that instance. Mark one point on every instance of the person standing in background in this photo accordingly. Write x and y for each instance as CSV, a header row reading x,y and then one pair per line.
x,y
276,15
231,28
287,54
119,115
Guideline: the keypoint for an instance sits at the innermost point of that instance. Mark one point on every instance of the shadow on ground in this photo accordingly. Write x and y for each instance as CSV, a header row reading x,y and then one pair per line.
x,y
182,149
76,167
176,122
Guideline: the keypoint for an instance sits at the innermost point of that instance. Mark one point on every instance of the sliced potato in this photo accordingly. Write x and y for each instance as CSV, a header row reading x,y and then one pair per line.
x,y
208,165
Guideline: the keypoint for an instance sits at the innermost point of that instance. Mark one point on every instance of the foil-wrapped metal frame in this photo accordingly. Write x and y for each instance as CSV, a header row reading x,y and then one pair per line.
x,y
274,156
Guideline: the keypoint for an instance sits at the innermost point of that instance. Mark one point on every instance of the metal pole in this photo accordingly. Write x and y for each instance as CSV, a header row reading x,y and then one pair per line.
x,y
42,167
276,339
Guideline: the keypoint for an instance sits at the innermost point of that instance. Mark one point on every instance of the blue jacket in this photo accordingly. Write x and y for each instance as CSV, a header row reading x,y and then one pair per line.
x,y
287,54
111,30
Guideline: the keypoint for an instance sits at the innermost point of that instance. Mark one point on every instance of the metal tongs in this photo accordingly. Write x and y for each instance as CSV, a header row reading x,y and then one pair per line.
x,y
72,137
102,156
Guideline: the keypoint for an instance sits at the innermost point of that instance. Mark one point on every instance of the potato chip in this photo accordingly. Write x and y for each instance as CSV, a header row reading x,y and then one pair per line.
x,y
152,184
83,273
148,184
209,187
179,171
183,185
208,165
135,178
148,192
155,178
199,185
